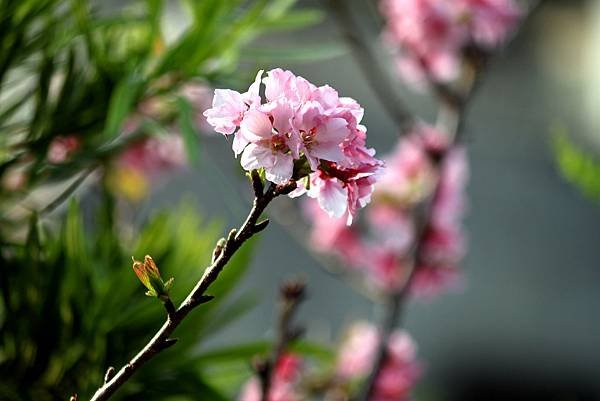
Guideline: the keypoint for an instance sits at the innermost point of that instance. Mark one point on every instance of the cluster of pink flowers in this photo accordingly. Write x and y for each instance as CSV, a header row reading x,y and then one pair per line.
x,y
379,248
433,34
284,382
400,370
300,132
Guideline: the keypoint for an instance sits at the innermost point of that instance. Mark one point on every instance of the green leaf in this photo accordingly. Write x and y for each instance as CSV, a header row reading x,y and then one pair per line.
x,y
121,103
580,168
190,135
75,237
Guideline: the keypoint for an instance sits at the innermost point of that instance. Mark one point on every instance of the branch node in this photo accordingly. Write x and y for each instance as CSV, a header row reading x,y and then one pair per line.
x,y
284,189
205,298
167,343
293,290
258,227
110,373
218,250
231,237
169,307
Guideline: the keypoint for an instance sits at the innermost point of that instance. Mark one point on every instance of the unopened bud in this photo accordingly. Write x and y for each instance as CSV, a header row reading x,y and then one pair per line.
x,y
149,275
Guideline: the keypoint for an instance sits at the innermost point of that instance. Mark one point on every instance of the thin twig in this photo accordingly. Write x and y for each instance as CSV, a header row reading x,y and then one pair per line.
x,y
197,296
375,74
291,294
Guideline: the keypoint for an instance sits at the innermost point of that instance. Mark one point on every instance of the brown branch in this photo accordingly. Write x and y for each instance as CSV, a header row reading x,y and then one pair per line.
x,y
375,74
197,296
291,294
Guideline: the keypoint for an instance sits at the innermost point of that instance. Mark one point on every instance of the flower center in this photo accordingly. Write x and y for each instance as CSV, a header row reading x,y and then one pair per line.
x,y
308,137
278,143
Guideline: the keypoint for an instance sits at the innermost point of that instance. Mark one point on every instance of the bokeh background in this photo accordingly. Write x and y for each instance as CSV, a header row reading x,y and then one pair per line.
x,y
525,325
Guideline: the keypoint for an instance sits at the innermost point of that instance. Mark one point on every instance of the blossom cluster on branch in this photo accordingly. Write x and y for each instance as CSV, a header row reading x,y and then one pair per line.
x,y
400,370
285,382
432,35
379,248
300,132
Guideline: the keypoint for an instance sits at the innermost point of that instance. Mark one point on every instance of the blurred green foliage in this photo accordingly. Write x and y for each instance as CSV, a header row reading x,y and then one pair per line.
x,y
580,168
71,307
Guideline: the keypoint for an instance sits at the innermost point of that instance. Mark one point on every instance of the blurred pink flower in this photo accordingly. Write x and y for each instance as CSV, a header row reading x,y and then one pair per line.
x,y
399,372
200,96
62,148
392,226
450,203
331,235
385,268
380,248
429,281
491,21
357,351
154,155
409,176
431,35
283,383
301,122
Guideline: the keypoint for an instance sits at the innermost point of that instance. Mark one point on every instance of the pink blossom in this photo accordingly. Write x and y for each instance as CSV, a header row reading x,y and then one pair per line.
x,y
321,136
431,35
449,203
342,191
62,148
392,226
443,241
200,96
154,155
428,33
409,176
227,111
269,147
442,245
429,281
421,168
400,370
331,235
358,348
283,383
385,268
305,130
229,106
491,21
